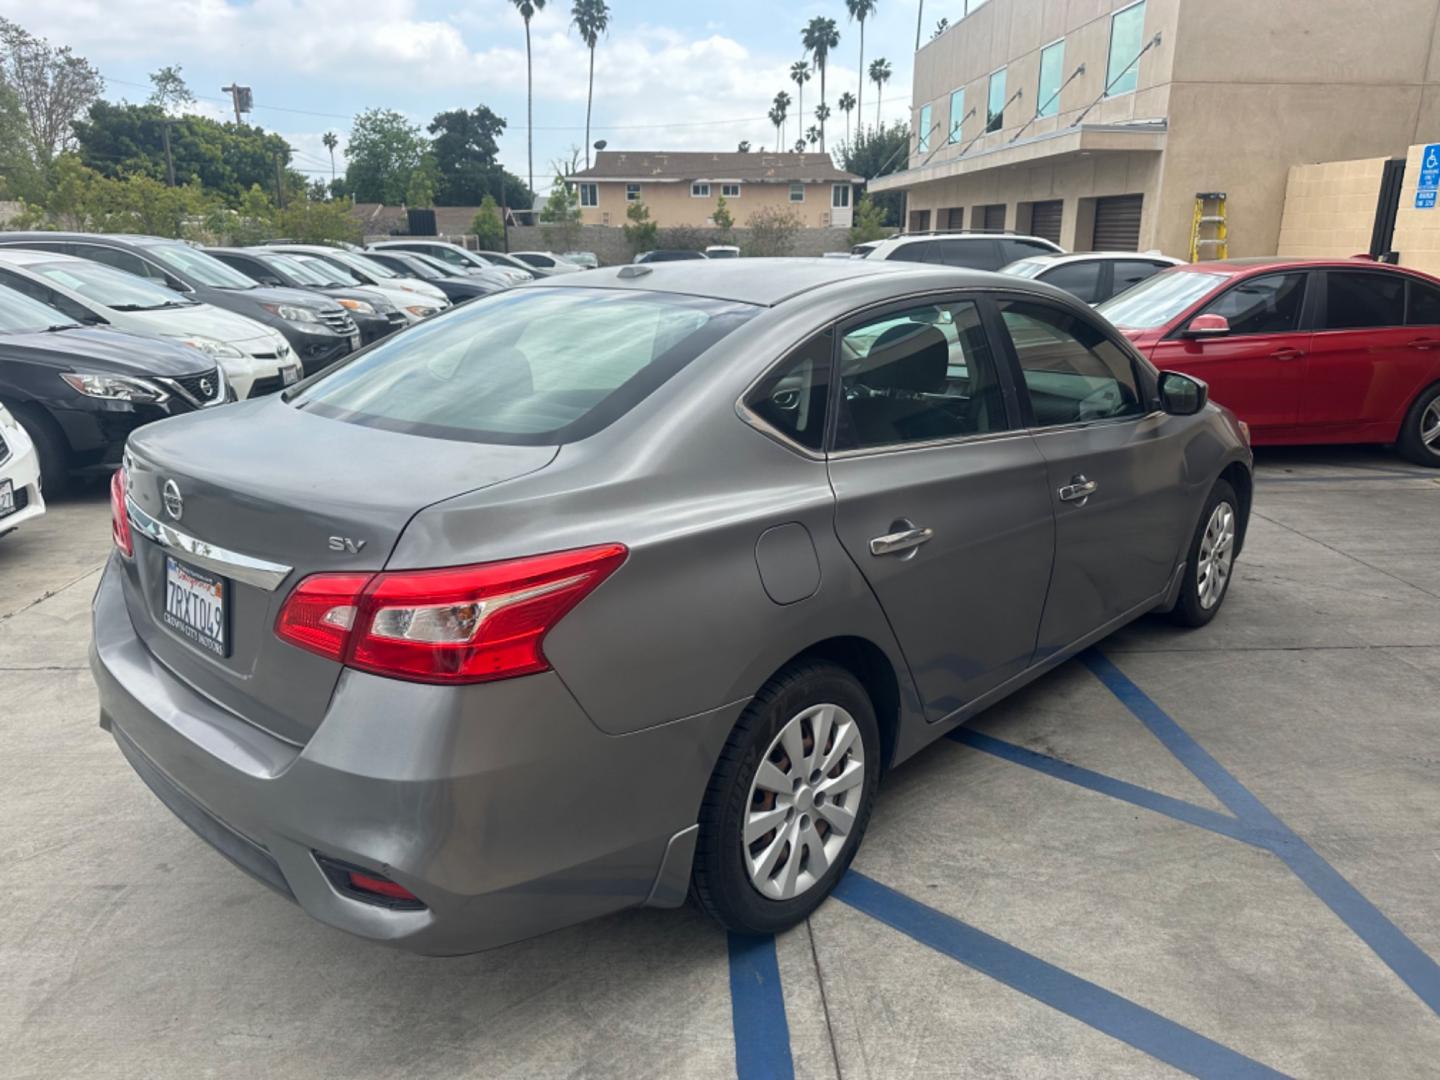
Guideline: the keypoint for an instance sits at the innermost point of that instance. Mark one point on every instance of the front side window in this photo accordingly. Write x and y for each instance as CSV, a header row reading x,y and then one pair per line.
x,y
504,369
793,399
699,190
995,103
196,266
1130,272
923,374
797,192
589,195
21,314
923,145
1073,373
1052,72
1424,306
1262,305
120,260
1358,299
957,114
730,191
632,192
1127,29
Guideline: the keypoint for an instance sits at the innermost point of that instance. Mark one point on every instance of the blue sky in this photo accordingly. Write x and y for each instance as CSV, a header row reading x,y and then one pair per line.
x,y
672,74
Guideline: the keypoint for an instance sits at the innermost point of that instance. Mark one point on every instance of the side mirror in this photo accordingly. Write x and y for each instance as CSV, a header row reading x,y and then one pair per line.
x,y
1204,326
1181,395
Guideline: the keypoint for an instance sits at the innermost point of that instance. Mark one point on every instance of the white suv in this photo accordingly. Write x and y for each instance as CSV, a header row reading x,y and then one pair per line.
x,y
974,251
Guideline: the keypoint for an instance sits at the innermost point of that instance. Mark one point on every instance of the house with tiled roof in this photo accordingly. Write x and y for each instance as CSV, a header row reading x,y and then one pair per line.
x,y
684,188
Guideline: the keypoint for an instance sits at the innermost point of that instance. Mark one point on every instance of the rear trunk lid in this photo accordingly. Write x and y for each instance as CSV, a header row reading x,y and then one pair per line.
x,y
267,495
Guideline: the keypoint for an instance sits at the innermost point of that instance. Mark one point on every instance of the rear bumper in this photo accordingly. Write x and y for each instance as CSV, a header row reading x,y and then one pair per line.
x,y
502,807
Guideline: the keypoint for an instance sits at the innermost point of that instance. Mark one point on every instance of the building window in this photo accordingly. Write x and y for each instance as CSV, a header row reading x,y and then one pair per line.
x,y
1052,71
589,195
1127,28
995,108
923,146
840,197
730,191
797,192
632,192
957,114
699,190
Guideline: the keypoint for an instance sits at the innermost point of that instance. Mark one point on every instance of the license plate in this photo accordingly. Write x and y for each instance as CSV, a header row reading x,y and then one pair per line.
x,y
195,605
354,341
7,498
289,375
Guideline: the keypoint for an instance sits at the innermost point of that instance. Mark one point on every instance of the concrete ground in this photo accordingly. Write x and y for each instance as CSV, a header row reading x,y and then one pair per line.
x,y
1215,852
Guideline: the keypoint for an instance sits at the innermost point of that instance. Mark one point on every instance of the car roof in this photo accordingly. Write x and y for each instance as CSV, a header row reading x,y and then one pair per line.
x,y
124,238
18,256
766,282
1058,258
1279,262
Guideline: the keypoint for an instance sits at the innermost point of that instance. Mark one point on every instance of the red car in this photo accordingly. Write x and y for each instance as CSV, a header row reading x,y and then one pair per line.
x,y
1304,351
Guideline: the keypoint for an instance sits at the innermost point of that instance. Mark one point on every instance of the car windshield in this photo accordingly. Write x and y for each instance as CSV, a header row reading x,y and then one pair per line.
x,y
1026,268
437,268
324,268
416,266
317,273
506,369
111,288
19,314
196,267
1157,300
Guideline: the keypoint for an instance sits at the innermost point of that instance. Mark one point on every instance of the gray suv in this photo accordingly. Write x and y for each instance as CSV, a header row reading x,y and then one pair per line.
x,y
630,585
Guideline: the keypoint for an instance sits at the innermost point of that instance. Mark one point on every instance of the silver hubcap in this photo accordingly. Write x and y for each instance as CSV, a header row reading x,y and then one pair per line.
x,y
1217,552
1430,425
803,801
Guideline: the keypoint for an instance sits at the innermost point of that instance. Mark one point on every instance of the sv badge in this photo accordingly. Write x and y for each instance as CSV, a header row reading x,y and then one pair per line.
x,y
344,543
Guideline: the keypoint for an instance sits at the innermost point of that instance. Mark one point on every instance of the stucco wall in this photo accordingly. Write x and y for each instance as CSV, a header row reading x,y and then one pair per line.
x,y
1330,208
610,248
1417,232
672,204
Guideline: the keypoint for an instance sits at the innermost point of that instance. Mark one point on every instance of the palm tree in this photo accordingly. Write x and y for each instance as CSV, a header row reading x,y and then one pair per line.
x,y
819,38
527,9
919,22
782,108
813,135
591,18
799,146
800,75
847,105
331,140
777,118
879,74
860,10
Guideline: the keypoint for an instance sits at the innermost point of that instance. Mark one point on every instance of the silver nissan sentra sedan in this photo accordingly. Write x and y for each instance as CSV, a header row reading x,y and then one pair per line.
x,y
627,586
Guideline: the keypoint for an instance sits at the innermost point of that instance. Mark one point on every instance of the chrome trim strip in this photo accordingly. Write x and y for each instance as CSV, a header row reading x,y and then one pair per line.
x,y
252,571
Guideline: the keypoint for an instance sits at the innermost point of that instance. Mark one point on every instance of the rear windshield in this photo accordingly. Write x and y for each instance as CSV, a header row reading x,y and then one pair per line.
x,y
1157,300
534,366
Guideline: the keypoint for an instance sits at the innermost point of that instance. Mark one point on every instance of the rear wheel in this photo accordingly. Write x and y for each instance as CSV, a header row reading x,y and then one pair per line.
x,y
789,800
1211,559
50,447
1420,434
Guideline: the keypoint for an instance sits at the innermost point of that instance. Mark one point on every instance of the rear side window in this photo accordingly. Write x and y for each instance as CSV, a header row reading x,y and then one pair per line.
x,y
924,251
1355,300
1262,305
1072,371
926,373
794,398
507,369
1011,250
1081,279
972,254
1424,309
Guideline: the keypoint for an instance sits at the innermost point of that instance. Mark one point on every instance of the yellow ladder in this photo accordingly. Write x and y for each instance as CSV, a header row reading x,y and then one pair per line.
x,y
1209,215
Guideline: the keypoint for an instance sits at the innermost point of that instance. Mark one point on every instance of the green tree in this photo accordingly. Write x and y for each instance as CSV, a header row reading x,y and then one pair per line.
x,y
169,90
879,74
876,152
420,189
773,231
723,219
800,75
487,225
560,217
53,87
467,156
591,18
641,231
527,9
847,106
860,10
819,37
331,141
319,221
252,221
20,176
383,151
869,222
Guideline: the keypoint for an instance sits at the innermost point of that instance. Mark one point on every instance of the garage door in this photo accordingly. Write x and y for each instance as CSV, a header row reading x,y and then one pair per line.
x,y
992,218
1045,220
1117,223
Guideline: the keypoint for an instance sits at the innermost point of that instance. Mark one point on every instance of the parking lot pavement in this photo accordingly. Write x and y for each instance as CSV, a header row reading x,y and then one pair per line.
x,y
1212,852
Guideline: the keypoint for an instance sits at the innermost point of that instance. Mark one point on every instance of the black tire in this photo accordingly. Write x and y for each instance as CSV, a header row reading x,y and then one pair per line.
x,y
1189,610
1411,443
721,884
50,447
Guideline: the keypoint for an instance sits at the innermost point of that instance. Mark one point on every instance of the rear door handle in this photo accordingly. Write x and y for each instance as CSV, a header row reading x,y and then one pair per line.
x,y
896,542
1078,490
1286,354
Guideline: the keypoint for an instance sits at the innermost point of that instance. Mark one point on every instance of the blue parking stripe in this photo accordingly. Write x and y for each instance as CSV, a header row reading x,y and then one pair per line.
x,y
1189,813
1102,1010
1413,966
757,1009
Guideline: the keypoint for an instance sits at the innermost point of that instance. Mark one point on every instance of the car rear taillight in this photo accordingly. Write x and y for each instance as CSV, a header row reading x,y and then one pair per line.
x,y
119,519
463,624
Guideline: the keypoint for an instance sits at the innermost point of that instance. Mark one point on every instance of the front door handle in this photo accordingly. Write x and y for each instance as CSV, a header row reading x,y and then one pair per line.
x,y
1286,354
896,542
1424,344
1078,490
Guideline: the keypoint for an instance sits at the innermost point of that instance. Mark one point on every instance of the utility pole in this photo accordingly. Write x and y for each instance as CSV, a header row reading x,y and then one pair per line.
x,y
279,182
242,97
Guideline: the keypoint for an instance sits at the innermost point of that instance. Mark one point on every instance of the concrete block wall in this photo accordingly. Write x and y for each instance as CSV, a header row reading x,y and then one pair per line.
x,y
1330,208
1417,232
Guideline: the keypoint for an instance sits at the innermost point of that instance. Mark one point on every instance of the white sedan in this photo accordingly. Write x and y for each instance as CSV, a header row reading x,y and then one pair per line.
x,y
20,498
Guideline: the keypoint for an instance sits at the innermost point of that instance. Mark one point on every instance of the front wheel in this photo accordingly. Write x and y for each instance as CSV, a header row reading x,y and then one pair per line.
x,y
1211,559
789,799
1419,439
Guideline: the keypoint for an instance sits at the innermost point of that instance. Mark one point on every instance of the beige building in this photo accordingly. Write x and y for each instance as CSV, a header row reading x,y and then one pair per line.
x,y
1096,123
685,188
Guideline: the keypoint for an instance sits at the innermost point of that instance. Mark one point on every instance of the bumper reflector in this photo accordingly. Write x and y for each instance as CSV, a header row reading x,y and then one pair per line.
x,y
368,886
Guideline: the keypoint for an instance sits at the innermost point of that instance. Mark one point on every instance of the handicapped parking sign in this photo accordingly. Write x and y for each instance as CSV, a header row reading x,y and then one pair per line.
x,y
1429,183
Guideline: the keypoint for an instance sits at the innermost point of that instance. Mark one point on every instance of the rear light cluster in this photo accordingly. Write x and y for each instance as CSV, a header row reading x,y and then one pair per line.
x,y
465,624
119,519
